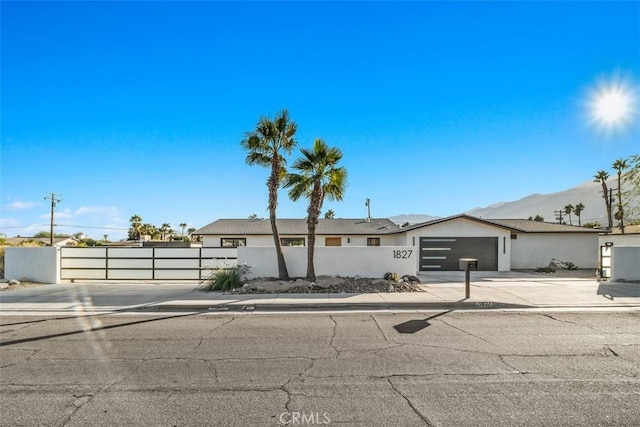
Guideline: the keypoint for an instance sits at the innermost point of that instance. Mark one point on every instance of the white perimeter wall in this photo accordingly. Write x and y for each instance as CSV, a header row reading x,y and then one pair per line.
x,y
620,239
462,227
32,264
532,250
332,261
625,263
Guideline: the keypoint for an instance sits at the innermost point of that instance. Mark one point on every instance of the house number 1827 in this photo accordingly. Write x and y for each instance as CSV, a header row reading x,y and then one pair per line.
x,y
402,254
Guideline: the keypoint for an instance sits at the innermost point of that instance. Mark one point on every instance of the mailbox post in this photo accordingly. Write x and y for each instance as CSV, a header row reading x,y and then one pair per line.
x,y
468,264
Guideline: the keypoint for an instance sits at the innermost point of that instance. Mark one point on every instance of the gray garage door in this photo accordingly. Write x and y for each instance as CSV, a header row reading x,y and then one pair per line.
x,y
443,253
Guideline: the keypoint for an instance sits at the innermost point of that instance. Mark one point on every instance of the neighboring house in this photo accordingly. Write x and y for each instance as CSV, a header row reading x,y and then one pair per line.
x,y
45,241
498,244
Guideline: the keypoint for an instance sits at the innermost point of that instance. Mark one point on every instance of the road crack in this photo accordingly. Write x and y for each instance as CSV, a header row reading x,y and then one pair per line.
x,y
424,418
608,351
572,323
464,331
78,402
333,337
380,329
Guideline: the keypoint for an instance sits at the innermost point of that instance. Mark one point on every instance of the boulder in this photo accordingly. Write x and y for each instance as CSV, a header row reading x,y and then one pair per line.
x,y
14,282
411,279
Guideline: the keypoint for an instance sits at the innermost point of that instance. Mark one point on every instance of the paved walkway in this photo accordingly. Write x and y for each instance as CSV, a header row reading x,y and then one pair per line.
x,y
441,291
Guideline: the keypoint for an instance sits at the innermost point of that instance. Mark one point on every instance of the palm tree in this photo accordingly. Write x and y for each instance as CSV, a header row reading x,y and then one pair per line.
x,y
136,225
568,210
620,165
190,231
266,146
148,230
183,225
318,177
165,230
602,177
578,211
330,214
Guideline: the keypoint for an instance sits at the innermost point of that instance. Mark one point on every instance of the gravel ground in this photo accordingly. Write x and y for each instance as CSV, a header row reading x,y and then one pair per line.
x,y
328,285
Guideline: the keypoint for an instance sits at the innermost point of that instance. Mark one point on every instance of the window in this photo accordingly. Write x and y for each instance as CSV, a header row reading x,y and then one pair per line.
x,y
292,241
514,235
333,241
373,241
232,242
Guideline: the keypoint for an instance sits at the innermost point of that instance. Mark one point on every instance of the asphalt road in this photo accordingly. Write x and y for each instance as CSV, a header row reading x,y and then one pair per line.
x,y
440,369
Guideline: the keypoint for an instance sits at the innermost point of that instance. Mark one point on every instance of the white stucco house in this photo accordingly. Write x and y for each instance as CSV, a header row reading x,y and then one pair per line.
x,y
498,244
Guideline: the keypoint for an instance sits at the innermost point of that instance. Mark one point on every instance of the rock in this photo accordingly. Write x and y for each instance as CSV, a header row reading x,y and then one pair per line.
x,y
410,278
246,286
391,276
14,282
3,286
392,288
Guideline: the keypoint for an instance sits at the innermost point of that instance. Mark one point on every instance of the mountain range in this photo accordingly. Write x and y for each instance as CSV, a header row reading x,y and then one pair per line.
x,y
545,205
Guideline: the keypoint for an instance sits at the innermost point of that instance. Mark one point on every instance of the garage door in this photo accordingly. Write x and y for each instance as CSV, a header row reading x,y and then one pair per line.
x,y
443,253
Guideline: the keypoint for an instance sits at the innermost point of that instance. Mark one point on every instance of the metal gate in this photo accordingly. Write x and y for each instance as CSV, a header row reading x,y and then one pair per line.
x,y
109,263
443,253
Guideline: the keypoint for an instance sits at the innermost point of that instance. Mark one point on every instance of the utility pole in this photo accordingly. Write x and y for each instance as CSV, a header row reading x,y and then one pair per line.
x,y
54,200
558,216
367,203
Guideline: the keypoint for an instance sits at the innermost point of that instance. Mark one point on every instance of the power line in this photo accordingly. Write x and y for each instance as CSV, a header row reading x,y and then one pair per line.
x,y
91,226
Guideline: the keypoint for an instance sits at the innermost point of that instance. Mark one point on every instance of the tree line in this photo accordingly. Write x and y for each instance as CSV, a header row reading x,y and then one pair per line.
x,y
622,205
316,176
138,229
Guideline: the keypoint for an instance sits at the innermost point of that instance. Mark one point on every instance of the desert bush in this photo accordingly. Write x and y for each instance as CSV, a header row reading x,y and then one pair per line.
x,y
225,279
545,270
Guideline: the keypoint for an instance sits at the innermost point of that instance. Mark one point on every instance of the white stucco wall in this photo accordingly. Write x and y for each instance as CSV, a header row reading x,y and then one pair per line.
x,y
332,261
32,264
532,250
625,263
462,227
620,239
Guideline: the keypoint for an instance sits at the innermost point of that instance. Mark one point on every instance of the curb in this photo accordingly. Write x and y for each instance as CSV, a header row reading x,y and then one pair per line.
x,y
239,307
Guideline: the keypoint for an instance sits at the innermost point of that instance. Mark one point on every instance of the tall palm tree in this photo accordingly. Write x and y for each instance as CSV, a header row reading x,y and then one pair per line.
x,y
601,177
183,225
318,176
165,230
330,214
136,225
568,210
578,211
266,146
620,166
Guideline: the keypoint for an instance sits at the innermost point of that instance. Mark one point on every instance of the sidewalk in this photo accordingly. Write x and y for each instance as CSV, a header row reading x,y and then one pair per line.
x,y
443,291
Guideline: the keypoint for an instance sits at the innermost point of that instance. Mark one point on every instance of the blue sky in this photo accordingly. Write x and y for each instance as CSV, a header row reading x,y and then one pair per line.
x,y
129,108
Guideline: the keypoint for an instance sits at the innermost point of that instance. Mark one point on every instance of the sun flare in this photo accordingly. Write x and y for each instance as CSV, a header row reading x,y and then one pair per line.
x,y
612,105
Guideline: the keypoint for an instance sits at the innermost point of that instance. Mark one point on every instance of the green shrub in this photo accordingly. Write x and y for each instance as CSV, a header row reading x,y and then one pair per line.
x,y
225,279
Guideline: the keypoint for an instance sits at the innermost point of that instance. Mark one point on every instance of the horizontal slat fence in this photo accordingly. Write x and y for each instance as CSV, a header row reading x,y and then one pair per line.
x,y
109,263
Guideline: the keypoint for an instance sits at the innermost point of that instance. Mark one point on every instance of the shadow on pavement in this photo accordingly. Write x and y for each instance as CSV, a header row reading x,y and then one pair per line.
x,y
82,331
619,290
413,326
